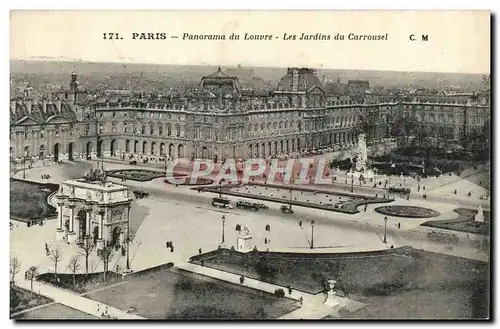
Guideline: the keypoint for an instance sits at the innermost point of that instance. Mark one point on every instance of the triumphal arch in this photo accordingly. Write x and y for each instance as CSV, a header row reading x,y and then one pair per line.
x,y
93,208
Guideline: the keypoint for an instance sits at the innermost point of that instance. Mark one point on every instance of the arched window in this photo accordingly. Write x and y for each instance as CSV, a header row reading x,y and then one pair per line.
x,y
169,130
160,130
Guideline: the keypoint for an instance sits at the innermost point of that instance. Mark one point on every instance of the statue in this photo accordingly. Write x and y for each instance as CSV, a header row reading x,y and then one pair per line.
x,y
331,300
479,217
246,231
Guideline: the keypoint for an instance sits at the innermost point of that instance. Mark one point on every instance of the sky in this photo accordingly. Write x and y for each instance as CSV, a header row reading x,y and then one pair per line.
x,y
458,41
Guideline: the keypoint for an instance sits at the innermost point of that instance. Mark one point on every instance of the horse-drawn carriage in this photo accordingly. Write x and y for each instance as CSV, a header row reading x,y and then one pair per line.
x,y
140,194
286,210
251,205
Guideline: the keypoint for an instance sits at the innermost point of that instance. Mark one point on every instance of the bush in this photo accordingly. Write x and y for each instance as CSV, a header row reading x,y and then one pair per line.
x,y
279,292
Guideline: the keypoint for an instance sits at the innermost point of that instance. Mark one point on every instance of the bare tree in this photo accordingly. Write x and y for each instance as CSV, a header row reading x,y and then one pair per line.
x,y
14,268
32,273
55,256
106,254
87,248
74,266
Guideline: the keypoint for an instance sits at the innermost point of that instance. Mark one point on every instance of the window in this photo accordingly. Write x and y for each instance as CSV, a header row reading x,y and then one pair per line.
x,y
151,130
160,130
57,132
178,130
169,130
143,130
42,132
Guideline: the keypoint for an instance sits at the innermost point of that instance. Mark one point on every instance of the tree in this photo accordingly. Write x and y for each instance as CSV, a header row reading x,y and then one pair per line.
x,y
106,254
55,256
74,266
87,247
14,268
32,273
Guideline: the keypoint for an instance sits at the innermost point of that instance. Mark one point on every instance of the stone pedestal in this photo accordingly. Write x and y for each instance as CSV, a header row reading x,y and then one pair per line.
x,y
60,234
71,237
244,241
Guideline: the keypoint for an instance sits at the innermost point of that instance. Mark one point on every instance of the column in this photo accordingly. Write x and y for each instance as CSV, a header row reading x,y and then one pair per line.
x,y
100,242
72,233
87,223
101,224
72,219
60,231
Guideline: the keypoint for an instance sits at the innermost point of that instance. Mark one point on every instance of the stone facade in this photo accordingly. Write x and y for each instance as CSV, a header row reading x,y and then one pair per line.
x,y
219,120
94,210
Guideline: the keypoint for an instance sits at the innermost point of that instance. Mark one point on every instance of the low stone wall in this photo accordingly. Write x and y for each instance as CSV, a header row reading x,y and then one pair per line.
x,y
148,271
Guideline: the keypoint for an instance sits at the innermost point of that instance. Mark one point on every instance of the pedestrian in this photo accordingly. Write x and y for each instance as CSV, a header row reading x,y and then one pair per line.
x,y
98,308
265,240
199,251
300,223
289,290
366,206
301,300
423,188
202,262
106,310
399,225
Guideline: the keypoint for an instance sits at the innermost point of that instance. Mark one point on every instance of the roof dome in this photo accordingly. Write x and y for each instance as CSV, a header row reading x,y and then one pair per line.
x,y
298,79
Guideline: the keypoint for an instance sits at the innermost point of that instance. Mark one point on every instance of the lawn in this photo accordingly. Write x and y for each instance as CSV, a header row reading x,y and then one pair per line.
x,y
22,299
55,312
181,295
398,277
28,200
464,222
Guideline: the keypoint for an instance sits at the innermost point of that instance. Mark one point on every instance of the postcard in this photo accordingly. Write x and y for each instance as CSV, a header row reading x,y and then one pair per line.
x,y
250,165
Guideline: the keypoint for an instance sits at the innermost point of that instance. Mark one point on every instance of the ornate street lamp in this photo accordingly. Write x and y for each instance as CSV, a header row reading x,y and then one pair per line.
x,y
24,164
223,225
385,229
312,234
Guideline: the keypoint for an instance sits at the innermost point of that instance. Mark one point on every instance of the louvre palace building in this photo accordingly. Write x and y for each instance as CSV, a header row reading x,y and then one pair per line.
x,y
219,119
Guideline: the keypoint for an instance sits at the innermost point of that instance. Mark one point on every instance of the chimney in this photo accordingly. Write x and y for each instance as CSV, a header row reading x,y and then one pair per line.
x,y
29,105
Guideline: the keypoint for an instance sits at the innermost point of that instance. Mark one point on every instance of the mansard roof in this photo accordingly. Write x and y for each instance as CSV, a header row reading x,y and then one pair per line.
x,y
40,112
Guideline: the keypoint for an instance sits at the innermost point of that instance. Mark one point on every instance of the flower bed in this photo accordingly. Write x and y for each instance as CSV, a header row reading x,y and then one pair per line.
x,y
464,222
141,175
407,211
